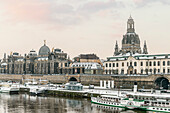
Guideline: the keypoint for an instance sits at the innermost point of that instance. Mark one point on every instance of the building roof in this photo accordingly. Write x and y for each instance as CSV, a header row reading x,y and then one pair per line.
x,y
139,57
88,56
87,65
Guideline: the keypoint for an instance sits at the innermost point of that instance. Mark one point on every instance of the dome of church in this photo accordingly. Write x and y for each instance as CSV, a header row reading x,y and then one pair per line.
x,y
131,38
44,50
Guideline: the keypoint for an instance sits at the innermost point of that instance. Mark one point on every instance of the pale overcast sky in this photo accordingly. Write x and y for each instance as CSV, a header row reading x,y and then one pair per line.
x,y
82,26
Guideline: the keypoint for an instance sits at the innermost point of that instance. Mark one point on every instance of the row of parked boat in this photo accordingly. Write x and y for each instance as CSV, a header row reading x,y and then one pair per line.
x,y
32,87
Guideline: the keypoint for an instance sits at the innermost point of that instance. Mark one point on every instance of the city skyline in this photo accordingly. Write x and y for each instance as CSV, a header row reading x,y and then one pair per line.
x,y
91,26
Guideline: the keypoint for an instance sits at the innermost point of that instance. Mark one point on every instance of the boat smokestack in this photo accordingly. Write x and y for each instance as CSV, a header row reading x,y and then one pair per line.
x,y
135,87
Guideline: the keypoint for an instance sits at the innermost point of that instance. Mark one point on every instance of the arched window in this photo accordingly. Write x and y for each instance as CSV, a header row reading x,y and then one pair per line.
x,y
150,70
109,64
122,71
168,70
155,71
106,64
168,63
110,72
117,65
150,63
146,63
141,71
146,70
164,70
128,25
135,71
154,63
158,63
130,63
135,63
122,64
163,63
141,64
158,70
113,64
117,71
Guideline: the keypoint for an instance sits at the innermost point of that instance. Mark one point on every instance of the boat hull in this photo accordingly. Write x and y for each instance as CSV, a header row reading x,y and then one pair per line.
x,y
146,108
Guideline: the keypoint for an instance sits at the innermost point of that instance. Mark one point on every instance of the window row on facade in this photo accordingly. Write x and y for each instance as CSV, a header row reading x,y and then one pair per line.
x,y
147,63
141,71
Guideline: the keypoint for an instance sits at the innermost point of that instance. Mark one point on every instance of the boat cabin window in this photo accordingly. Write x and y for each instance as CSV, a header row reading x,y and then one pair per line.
x,y
130,96
146,102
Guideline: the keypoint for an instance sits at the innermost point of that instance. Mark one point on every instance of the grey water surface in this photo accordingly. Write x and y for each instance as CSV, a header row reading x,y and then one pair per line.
x,y
24,103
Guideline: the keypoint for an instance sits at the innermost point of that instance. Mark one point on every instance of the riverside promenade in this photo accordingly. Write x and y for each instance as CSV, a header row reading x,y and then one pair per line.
x,y
123,81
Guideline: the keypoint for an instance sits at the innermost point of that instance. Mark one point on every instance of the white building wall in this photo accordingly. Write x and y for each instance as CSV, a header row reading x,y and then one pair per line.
x,y
161,67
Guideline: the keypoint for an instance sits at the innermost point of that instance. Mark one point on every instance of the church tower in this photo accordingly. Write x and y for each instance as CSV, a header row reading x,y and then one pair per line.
x,y
130,25
116,49
131,41
145,51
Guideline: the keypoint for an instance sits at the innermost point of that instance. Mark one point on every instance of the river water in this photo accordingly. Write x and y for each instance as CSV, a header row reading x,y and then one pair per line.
x,y
24,103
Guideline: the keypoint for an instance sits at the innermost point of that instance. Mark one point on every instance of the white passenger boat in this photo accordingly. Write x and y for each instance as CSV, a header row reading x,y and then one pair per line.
x,y
9,88
37,90
143,101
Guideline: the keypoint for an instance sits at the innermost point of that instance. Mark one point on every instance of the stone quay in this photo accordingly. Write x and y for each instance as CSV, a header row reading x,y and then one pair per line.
x,y
106,81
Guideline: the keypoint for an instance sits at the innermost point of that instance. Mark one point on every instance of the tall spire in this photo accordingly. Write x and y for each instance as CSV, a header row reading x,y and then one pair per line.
x,y
53,49
145,51
4,55
44,42
130,25
130,17
4,59
116,49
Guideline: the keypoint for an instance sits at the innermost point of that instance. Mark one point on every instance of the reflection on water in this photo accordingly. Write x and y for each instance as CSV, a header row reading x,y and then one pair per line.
x,y
107,108
24,103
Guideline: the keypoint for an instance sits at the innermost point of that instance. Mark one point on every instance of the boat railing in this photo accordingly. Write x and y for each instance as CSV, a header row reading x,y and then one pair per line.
x,y
155,105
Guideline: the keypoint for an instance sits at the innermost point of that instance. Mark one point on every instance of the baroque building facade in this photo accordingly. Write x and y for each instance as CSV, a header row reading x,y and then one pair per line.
x,y
50,62
138,64
45,62
132,60
90,63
